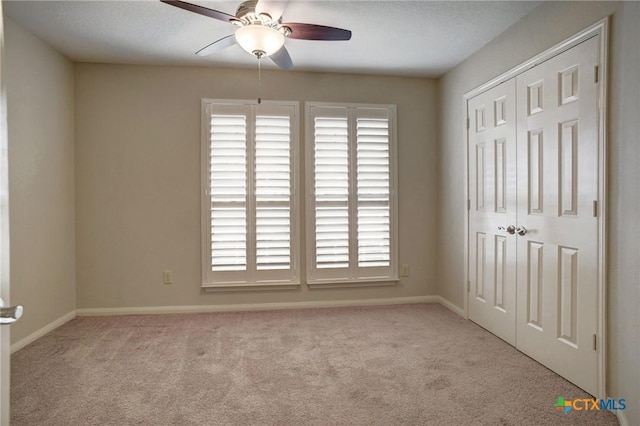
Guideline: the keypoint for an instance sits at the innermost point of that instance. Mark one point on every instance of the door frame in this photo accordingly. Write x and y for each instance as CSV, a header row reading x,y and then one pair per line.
x,y
599,29
5,333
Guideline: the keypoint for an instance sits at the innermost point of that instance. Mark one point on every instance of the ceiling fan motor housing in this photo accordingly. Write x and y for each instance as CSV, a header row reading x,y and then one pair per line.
x,y
247,15
246,8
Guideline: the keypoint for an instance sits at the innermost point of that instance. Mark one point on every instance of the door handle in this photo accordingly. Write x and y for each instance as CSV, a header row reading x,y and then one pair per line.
x,y
10,314
509,229
521,230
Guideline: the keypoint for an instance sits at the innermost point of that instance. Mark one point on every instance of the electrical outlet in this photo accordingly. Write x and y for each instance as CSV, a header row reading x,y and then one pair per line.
x,y
404,271
167,277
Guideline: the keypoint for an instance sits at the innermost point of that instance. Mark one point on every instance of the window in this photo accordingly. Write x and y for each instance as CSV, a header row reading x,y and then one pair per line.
x,y
249,207
351,203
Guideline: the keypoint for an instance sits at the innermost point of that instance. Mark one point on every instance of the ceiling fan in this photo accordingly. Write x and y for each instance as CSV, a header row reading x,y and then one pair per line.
x,y
261,31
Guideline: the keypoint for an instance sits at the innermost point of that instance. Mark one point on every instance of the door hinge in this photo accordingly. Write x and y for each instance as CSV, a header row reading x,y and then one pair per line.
x,y
595,74
595,341
468,286
595,208
468,204
468,121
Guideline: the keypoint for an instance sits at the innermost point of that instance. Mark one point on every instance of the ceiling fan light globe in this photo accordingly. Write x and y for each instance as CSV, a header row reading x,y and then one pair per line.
x,y
259,38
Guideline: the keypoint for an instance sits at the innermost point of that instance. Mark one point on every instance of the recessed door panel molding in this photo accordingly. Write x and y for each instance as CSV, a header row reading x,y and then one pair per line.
x,y
568,295
500,271
536,172
481,265
480,118
500,151
500,111
568,161
481,173
568,85
535,95
535,238
534,284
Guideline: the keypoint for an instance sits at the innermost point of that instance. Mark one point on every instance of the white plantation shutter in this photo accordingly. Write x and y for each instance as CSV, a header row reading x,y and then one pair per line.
x,y
228,190
331,177
249,224
351,172
273,192
373,170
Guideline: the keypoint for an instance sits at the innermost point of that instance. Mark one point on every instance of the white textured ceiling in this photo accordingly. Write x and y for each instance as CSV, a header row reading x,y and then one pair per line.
x,y
408,38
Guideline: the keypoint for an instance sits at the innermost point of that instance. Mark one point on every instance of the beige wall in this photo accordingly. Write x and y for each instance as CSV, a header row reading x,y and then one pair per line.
x,y
41,180
138,178
545,26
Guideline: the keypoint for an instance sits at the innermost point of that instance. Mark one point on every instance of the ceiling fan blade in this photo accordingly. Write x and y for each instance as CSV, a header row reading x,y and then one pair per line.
x,y
282,59
273,8
215,14
317,32
217,45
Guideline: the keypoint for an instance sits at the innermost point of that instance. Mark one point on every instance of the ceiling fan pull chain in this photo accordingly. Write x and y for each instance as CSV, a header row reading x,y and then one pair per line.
x,y
259,82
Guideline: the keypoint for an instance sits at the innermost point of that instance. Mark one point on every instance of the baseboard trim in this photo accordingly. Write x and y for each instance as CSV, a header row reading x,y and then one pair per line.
x,y
255,306
41,332
454,308
622,419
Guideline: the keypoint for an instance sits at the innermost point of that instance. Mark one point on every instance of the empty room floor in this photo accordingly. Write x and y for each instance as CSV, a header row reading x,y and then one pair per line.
x,y
410,364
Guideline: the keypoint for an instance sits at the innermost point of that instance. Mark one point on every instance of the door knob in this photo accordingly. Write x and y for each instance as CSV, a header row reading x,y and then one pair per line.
x,y
521,230
10,314
510,229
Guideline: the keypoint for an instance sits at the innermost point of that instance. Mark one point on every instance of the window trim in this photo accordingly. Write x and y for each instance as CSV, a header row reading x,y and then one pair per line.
x,y
329,281
251,283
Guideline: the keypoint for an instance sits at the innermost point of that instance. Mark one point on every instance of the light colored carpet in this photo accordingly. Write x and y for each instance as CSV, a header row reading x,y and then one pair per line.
x,y
411,365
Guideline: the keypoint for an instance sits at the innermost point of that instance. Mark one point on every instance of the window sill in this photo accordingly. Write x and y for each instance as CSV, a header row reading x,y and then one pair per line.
x,y
222,287
373,282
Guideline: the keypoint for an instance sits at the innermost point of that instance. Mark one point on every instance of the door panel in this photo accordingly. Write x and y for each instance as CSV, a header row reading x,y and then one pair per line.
x,y
557,185
492,171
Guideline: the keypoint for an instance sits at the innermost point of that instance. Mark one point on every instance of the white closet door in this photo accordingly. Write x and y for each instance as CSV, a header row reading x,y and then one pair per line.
x,y
557,269
492,173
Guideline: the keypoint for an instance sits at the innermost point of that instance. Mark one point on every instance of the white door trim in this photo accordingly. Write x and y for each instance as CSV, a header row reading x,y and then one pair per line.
x,y
600,29
5,333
